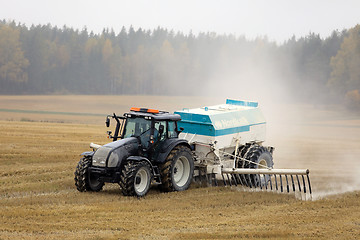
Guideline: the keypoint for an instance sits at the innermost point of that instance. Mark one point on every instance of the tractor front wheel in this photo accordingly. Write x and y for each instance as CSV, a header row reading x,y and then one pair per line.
x,y
177,170
135,179
84,181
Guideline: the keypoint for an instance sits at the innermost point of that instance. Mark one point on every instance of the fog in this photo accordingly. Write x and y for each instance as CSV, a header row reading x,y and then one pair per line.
x,y
279,20
324,138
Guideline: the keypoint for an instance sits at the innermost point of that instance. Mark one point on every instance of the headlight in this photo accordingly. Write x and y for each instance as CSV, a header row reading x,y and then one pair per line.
x,y
99,158
113,159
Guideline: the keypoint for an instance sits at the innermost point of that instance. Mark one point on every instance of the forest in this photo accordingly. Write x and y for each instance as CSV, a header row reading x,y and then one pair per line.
x,y
45,59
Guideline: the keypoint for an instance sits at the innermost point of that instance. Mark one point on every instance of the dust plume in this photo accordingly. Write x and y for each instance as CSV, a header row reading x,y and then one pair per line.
x,y
306,134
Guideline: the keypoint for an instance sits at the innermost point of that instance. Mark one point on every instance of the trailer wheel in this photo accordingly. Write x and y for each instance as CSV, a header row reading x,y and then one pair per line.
x,y
241,153
135,179
260,157
84,181
240,163
177,170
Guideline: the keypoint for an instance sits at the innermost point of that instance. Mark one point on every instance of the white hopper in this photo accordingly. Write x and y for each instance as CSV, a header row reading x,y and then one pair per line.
x,y
226,137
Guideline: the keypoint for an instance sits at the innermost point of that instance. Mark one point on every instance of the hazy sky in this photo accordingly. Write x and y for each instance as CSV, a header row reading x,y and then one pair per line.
x,y
278,19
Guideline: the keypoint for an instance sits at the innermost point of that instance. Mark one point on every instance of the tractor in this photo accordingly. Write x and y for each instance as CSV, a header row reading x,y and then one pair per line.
x,y
145,150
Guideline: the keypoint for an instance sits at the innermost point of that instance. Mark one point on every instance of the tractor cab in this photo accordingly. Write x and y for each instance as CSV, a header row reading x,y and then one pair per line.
x,y
151,127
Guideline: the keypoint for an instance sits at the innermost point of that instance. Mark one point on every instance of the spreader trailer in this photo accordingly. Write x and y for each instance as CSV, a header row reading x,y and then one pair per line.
x,y
222,144
228,145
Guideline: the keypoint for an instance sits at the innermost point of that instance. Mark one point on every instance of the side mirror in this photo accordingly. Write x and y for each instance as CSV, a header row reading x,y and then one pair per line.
x,y
181,129
161,129
107,122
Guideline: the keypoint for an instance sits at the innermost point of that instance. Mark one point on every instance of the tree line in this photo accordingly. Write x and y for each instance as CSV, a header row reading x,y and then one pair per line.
x,y
45,59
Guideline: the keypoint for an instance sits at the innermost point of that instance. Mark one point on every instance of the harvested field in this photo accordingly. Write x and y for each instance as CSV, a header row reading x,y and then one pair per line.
x,y
39,152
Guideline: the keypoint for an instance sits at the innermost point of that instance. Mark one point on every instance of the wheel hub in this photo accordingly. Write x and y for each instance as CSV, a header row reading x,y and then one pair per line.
x,y
262,164
141,180
138,180
181,171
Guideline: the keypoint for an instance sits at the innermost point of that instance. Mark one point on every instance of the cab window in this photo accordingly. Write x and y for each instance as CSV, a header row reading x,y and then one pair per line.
x,y
136,127
172,133
157,136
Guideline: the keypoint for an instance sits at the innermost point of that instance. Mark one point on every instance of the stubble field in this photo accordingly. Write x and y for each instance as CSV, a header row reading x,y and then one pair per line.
x,y
41,138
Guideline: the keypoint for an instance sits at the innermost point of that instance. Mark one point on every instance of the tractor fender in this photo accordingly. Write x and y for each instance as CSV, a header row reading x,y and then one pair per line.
x,y
88,154
139,159
169,145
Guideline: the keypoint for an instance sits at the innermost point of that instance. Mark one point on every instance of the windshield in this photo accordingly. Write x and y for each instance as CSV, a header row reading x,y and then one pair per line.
x,y
136,127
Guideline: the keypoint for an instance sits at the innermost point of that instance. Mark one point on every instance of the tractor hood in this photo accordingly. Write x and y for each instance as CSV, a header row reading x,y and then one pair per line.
x,y
112,154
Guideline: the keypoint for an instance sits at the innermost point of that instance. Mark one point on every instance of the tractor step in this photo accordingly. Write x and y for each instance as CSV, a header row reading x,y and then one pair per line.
x,y
156,175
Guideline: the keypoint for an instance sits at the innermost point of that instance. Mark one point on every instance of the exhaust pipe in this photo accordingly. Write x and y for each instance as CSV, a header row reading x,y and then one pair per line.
x,y
95,146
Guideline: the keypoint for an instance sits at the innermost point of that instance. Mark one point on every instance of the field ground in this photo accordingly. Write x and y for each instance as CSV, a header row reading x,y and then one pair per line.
x,y
40,149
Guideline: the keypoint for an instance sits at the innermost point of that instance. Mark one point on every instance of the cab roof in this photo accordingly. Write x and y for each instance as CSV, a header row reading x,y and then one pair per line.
x,y
161,115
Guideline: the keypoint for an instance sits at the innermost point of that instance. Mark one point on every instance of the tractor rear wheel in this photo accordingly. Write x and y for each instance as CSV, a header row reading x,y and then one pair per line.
x,y
259,157
84,181
135,179
177,170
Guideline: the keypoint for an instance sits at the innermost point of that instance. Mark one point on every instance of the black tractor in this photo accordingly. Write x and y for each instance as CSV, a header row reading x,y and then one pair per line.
x,y
145,150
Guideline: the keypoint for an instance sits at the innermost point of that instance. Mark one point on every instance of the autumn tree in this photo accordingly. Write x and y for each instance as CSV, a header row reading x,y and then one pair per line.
x,y
345,75
13,64
112,60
